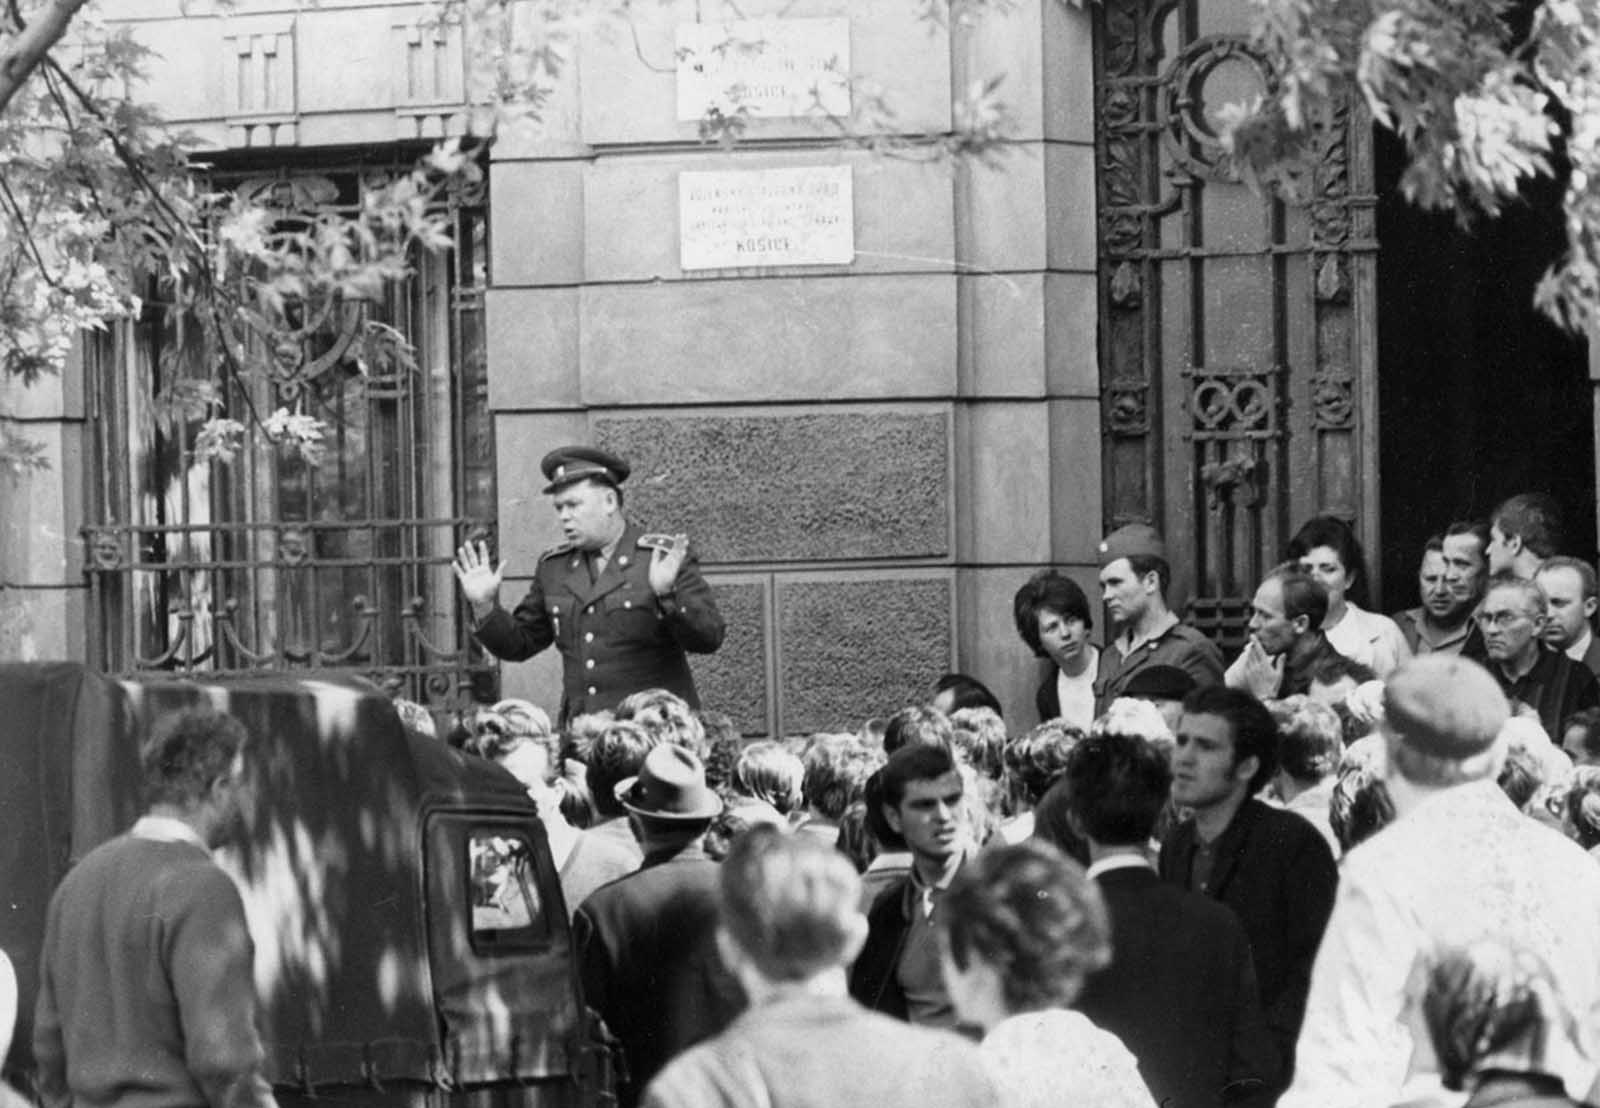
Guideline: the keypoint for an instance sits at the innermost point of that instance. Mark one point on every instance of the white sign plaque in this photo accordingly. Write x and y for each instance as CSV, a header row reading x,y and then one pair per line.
x,y
766,217
765,68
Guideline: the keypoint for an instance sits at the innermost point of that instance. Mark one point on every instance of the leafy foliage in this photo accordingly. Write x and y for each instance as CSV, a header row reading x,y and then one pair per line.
x,y
99,200
1486,94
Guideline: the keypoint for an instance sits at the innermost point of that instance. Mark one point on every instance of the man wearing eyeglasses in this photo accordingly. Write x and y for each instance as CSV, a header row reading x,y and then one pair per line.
x,y
1512,619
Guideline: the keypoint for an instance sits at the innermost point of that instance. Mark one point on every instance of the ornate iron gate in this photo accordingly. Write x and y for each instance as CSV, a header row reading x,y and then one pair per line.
x,y
1237,331
266,562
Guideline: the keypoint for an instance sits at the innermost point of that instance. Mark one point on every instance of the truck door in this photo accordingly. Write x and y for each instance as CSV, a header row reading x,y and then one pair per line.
x,y
505,979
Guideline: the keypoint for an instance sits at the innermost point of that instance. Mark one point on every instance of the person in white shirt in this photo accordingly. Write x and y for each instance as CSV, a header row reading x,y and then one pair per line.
x,y
1327,549
1022,929
1458,864
1052,616
1571,598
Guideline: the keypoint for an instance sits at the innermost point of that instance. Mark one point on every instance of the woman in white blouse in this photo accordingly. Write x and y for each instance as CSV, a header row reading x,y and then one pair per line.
x,y
1327,549
1053,618
1021,929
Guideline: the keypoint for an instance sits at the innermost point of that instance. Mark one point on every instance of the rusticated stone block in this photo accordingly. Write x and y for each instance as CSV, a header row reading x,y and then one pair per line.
x,y
784,488
858,648
734,679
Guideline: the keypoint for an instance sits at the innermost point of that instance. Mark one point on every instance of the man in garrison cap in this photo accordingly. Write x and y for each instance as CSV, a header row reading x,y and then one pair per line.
x,y
1134,576
623,607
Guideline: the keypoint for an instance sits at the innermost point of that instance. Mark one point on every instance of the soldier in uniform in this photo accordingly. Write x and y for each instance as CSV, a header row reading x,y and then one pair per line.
x,y
621,606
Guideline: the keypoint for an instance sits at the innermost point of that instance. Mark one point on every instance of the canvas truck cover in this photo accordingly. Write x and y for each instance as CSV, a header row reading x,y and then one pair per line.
x,y
69,780
332,874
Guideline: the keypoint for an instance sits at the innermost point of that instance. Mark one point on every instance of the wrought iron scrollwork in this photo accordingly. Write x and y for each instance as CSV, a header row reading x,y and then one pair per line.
x,y
1191,134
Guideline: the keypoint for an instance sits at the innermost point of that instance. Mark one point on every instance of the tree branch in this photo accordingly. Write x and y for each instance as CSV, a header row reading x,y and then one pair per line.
x,y
23,53
21,219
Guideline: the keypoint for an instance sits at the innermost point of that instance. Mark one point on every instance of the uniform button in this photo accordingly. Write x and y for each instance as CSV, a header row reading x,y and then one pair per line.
x,y
588,636
593,690
589,610
627,603
589,664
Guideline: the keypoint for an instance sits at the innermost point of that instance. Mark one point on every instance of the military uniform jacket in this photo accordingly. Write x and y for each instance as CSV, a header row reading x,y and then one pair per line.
x,y
615,635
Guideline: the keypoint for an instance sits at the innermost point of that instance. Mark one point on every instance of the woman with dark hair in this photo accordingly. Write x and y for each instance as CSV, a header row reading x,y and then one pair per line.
x,y
1327,549
1022,928
1495,1022
1053,618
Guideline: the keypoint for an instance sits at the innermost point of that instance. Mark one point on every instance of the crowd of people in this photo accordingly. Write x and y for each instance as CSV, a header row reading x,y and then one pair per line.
x,y
1357,866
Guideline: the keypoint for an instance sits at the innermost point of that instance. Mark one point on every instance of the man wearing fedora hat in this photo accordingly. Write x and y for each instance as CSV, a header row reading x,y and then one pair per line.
x,y
1459,863
622,607
647,942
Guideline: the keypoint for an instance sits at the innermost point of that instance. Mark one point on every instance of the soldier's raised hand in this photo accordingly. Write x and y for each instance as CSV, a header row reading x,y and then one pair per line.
x,y
665,563
479,576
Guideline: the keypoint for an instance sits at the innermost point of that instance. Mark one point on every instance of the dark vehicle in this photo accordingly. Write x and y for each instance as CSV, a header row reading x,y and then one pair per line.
x,y
412,946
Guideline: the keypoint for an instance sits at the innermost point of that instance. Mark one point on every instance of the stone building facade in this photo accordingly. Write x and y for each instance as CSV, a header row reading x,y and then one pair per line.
x,y
870,452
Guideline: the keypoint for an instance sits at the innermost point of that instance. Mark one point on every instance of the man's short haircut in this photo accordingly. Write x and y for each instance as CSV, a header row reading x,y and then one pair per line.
x,y
916,762
1048,591
767,771
187,753
1051,823
1145,564
1532,594
1336,667
1434,545
789,902
1474,527
1253,729
967,692
1334,533
667,716
836,772
1117,786
1588,719
1037,760
1583,569
1303,594
1032,914
914,725
614,756
1535,518
1310,738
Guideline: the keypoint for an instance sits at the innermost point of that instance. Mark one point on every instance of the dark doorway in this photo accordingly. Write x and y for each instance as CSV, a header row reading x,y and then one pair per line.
x,y
1480,396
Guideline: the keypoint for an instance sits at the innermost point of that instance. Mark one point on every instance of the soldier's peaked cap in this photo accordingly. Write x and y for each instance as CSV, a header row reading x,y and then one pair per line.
x,y
567,464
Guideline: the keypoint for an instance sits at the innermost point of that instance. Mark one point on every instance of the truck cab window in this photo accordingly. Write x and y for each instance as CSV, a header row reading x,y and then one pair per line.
x,y
507,912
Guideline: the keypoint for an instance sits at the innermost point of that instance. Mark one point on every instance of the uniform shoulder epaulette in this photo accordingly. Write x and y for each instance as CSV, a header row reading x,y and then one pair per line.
x,y
655,542
556,551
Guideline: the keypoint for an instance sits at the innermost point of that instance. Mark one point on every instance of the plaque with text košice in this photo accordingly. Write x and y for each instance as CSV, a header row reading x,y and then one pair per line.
x,y
766,217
